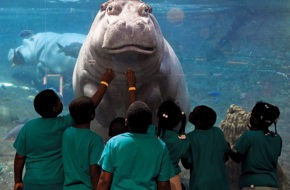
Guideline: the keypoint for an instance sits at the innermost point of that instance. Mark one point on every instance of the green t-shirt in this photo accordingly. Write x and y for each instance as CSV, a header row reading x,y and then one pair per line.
x,y
261,156
80,149
40,141
137,161
177,147
207,153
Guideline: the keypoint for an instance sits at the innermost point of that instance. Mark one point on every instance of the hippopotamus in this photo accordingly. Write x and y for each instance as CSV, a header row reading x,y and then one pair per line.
x,y
46,51
125,34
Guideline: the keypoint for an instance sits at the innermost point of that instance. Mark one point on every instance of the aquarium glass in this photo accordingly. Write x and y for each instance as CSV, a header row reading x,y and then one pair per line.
x,y
231,52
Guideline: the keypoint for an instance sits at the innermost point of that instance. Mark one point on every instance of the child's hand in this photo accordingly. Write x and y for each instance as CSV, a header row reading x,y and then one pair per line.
x,y
108,76
18,186
131,78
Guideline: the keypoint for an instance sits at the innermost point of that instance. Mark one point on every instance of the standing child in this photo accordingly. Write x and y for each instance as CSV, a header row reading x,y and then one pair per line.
x,y
207,153
38,144
259,149
171,129
81,148
135,160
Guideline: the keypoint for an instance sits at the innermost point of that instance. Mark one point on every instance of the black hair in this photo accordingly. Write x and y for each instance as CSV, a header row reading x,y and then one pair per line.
x,y
117,126
263,115
139,117
82,110
170,115
203,117
44,103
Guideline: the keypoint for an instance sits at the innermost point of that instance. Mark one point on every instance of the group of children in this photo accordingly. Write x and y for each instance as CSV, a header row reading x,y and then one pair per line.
x,y
61,152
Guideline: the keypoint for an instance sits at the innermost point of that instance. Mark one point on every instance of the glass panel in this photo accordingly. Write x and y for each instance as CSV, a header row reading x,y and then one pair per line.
x,y
231,52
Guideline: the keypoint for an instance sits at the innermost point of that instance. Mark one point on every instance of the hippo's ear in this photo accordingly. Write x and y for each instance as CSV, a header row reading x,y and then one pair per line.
x,y
104,6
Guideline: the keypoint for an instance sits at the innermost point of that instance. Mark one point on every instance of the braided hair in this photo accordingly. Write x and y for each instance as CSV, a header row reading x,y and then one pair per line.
x,y
263,115
170,115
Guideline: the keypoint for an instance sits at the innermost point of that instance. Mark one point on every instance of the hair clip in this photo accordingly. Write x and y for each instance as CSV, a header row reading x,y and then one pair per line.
x,y
165,115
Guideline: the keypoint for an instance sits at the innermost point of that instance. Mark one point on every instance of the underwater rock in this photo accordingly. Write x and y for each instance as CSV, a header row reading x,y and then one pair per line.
x,y
234,124
125,34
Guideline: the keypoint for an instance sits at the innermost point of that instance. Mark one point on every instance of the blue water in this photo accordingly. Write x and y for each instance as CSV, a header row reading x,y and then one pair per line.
x,y
232,52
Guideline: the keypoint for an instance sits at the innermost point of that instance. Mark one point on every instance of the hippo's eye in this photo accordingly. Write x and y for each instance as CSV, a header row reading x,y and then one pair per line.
x,y
144,10
114,9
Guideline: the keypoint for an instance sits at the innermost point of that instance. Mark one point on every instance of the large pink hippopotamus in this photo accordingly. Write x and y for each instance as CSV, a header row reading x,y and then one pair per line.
x,y
125,34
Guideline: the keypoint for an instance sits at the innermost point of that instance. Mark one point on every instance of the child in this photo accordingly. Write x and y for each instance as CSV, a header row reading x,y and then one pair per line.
x,y
81,148
38,144
117,126
259,149
207,152
135,160
170,117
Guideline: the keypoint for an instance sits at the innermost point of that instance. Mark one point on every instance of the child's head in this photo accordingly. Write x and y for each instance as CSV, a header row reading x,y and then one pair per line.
x,y
47,104
117,126
138,117
82,110
263,115
202,117
170,115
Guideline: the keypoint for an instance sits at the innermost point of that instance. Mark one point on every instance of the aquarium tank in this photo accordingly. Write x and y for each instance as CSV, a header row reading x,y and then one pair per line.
x,y
232,53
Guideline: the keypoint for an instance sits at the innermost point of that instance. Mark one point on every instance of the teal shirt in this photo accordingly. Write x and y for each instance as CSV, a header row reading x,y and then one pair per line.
x,y
40,141
137,161
261,156
177,148
207,155
80,149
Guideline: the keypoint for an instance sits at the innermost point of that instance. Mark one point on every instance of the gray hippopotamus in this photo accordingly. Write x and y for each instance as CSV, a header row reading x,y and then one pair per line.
x,y
49,52
125,34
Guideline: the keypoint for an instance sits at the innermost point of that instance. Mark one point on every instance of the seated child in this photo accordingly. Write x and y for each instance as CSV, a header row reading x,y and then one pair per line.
x,y
207,153
81,147
135,160
259,149
171,130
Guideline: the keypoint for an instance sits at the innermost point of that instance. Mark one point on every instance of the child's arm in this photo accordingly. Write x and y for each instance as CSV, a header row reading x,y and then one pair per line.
x,y
105,180
19,162
106,79
131,79
163,185
95,171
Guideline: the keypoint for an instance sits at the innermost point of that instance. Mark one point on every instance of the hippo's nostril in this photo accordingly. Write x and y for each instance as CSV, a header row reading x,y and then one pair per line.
x,y
141,26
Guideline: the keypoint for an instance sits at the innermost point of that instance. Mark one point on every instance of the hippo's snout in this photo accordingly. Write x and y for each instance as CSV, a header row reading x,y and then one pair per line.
x,y
129,27
130,36
15,57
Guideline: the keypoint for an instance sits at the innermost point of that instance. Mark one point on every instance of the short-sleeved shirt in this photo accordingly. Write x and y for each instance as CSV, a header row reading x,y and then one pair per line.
x,y
80,149
207,155
137,161
177,148
40,141
261,153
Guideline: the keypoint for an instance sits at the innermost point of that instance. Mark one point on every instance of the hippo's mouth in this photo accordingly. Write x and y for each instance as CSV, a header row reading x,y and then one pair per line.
x,y
133,48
